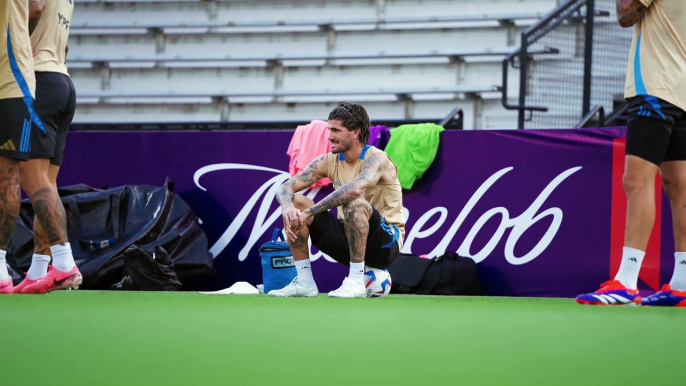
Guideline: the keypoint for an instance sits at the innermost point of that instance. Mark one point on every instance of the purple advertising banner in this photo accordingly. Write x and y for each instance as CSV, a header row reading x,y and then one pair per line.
x,y
533,208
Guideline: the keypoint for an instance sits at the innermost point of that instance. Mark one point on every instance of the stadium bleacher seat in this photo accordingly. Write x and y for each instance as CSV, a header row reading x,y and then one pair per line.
x,y
295,54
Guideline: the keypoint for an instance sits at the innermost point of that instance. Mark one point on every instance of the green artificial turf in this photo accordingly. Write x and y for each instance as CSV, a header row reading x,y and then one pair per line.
x,y
124,338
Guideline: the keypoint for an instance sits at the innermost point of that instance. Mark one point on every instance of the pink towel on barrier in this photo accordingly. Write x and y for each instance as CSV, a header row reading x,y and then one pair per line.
x,y
309,142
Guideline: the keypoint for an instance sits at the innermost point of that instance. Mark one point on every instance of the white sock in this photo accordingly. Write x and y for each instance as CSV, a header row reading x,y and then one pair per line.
x,y
357,272
4,275
678,281
631,265
39,266
62,258
304,269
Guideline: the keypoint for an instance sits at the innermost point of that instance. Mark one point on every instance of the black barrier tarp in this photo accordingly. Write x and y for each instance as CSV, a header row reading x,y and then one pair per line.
x,y
102,224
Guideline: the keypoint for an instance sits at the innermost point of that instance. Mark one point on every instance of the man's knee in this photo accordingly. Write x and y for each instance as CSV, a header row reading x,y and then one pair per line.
x,y
34,175
639,175
302,202
10,169
674,185
356,207
633,184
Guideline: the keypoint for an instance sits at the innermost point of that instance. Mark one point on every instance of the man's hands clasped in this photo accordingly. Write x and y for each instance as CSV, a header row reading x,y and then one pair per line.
x,y
294,219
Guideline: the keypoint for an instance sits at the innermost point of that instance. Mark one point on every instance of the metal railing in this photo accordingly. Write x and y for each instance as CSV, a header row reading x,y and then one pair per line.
x,y
596,110
454,119
583,64
529,37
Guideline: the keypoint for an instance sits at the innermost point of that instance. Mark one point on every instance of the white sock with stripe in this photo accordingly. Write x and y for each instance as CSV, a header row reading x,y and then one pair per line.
x,y
631,265
304,268
678,281
357,272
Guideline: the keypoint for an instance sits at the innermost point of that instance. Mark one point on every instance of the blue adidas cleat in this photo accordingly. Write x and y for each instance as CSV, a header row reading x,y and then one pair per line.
x,y
666,297
611,293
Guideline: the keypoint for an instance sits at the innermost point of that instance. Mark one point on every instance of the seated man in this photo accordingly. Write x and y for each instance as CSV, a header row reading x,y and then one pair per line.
x,y
370,225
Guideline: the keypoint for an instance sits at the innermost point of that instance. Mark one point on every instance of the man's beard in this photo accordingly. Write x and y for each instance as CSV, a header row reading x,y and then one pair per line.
x,y
341,148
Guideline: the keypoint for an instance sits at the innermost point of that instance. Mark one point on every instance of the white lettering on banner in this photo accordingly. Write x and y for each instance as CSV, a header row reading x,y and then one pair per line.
x,y
520,224
418,233
526,219
265,220
261,224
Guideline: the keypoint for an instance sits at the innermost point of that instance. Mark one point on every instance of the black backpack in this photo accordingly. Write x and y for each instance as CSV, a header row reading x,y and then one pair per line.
x,y
450,274
148,269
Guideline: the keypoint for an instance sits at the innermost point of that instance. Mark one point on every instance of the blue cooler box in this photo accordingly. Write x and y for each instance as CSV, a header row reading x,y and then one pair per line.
x,y
278,268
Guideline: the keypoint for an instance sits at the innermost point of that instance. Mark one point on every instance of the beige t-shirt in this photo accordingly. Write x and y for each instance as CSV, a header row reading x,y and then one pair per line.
x,y
385,197
657,62
50,37
17,79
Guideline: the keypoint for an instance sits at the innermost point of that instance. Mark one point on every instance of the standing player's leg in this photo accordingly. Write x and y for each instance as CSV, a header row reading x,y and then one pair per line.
x,y
55,104
303,285
639,186
356,225
10,198
674,182
673,173
41,243
51,216
14,134
649,129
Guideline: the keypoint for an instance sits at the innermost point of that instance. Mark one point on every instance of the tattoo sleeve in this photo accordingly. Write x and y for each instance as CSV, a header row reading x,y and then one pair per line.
x,y
41,244
300,244
629,12
357,229
10,198
316,170
50,214
369,175
36,8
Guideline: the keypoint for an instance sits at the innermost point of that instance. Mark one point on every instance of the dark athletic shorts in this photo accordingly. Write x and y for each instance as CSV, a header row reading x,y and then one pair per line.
x,y
55,104
656,130
328,235
15,129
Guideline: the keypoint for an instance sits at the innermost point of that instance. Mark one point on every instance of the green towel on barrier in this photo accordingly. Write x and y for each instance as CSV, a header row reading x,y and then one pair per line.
x,y
413,148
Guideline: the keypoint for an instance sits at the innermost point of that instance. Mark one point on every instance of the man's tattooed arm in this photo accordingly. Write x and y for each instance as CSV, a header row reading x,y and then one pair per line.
x,y
629,12
316,170
371,172
36,8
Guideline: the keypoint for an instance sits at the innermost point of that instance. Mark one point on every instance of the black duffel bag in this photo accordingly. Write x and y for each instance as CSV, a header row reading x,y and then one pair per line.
x,y
148,269
450,274
102,224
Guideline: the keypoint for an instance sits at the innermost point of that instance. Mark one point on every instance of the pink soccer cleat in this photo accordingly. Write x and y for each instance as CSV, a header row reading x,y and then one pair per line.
x,y
55,280
24,283
6,287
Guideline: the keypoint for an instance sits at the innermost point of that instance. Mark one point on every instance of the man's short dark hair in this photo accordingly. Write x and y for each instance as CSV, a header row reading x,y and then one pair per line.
x,y
353,116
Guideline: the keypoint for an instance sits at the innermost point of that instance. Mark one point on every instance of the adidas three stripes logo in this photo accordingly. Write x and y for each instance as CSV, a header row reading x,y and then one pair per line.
x,y
611,299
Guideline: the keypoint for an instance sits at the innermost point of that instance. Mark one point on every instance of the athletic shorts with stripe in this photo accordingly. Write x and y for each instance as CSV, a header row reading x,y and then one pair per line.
x,y
55,104
328,235
656,130
15,129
